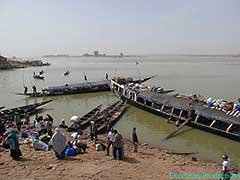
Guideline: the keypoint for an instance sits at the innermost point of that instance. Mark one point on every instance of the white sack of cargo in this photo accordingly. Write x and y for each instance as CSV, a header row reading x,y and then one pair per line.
x,y
74,119
39,145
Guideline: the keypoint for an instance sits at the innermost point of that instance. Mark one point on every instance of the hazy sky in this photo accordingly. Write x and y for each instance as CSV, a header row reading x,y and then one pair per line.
x,y
39,27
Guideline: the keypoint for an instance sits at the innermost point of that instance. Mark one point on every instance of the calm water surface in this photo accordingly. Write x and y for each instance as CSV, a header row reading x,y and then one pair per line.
x,y
215,77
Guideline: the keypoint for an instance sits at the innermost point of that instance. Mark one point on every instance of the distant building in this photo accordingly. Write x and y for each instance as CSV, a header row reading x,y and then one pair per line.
x,y
86,54
4,64
96,53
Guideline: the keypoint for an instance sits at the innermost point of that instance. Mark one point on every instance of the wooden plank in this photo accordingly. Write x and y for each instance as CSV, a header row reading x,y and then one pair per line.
x,y
179,128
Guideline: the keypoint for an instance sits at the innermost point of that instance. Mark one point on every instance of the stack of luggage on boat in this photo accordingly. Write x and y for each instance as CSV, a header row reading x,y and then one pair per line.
x,y
230,108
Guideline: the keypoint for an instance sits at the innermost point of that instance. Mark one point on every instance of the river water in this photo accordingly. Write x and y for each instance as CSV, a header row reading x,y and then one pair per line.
x,y
209,76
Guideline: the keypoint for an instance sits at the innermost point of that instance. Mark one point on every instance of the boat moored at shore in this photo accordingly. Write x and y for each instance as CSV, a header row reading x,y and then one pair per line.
x,y
180,109
85,87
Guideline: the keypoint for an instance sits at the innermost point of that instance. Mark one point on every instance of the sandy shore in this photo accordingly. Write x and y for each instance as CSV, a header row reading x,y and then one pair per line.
x,y
148,163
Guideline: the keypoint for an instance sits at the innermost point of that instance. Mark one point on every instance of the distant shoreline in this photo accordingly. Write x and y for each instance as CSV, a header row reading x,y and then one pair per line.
x,y
140,55
213,55
69,56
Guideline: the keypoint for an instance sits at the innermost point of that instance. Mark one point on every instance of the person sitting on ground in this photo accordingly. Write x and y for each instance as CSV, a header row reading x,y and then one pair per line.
x,y
3,140
48,127
44,137
79,147
63,125
13,142
135,140
38,126
58,143
49,118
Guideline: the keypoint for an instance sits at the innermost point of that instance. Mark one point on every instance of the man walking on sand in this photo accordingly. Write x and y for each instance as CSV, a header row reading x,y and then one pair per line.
x,y
135,140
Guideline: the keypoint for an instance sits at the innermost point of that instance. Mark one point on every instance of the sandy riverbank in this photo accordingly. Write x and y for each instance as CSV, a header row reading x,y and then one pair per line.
x,y
148,163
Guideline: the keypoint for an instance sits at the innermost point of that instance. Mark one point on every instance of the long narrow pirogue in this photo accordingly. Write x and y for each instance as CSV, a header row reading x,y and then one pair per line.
x,y
84,120
111,119
32,108
104,113
176,108
94,114
85,87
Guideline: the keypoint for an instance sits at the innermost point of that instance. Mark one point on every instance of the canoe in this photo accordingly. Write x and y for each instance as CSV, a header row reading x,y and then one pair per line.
x,y
112,118
37,94
84,120
66,73
85,87
100,115
38,77
10,113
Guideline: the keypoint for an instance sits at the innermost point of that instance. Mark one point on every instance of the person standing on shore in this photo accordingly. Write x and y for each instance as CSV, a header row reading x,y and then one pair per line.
x,y
25,89
58,142
13,142
117,145
110,139
93,130
18,121
226,167
135,140
34,89
27,118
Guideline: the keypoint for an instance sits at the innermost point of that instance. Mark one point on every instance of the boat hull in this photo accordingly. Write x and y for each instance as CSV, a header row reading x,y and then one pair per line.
x,y
191,123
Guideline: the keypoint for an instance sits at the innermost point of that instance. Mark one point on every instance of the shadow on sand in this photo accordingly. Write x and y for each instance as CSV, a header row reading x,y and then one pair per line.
x,y
23,159
130,160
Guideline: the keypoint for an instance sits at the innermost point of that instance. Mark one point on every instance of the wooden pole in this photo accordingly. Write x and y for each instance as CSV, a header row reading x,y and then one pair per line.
x,y
174,132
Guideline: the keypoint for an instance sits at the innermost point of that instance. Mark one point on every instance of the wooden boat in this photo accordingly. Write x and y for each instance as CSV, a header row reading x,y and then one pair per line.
x,y
10,113
85,87
123,80
84,121
46,64
38,77
111,119
105,112
175,109
37,94
66,73
100,115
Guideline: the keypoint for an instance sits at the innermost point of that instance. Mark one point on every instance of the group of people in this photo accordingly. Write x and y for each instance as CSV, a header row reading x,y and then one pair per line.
x,y
33,87
62,147
40,139
115,139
